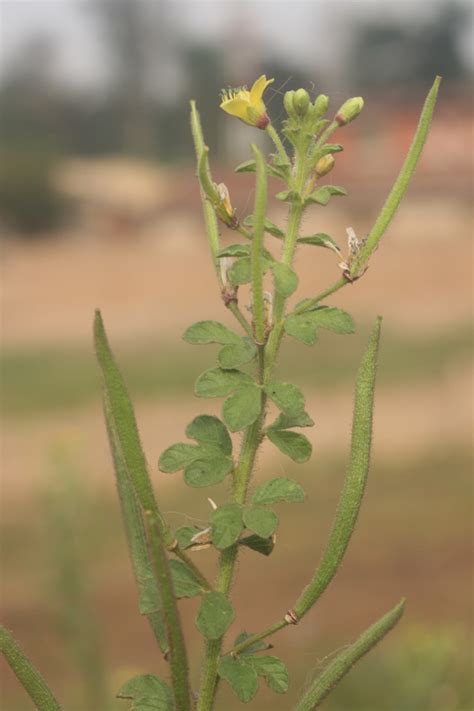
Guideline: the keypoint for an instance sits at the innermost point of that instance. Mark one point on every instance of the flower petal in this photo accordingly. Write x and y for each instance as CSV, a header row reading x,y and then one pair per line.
x,y
236,107
256,92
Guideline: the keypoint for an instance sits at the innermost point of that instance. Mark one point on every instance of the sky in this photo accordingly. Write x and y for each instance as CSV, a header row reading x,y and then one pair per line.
x,y
281,24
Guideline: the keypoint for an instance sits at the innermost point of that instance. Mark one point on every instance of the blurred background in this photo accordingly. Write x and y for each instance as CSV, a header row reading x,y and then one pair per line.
x,y
99,207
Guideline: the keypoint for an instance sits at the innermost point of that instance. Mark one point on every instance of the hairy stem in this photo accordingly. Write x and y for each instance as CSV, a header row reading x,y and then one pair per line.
x,y
278,143
28,676
289,246
257,246
210,219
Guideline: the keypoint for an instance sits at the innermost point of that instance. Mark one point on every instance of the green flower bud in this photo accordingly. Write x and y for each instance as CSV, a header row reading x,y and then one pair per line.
x,y
321,105
288,104
349,110
301,102
324,165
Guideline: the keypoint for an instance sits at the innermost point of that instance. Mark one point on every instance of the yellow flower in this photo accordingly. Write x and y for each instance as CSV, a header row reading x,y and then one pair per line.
x,y
248,105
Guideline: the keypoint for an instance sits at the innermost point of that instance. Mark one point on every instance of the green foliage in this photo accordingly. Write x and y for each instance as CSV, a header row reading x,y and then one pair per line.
x,y
205,463
277,490
226,524
321,239
215,615
264,546
261,521
148,692
242,674
243,407
204,332
304,327
286,280
185,583
287,397
294,445
217,382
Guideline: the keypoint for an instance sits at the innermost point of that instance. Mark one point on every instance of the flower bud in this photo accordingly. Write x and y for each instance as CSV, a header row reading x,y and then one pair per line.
x,y
349,110
288,103
324,165
301,102
321,105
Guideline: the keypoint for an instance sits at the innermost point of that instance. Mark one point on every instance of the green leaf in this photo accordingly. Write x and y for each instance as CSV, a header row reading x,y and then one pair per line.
x,y
304,326
236,354
256,647
242,408
204,332
269,226
215,615
345,660
320,240
209,430
178,456
148,686
217,382
356,477
261,521
240,272
150,703
206,463
287,397
258,544
248,166
288,196
279,489
241,677
321,196
226,523
330,148
184,534
285,422
234,250
273,670
210,468
185,583
335,190
293,444
286,280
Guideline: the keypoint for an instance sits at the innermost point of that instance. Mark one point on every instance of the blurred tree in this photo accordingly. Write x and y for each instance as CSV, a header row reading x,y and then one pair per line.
x,y
134,33
31,140
388,52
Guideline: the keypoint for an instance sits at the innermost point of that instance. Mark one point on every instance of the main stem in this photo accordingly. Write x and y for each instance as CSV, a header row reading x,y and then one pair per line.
x,y
228,559
251,442
289,246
